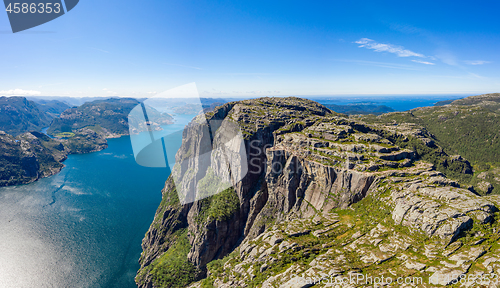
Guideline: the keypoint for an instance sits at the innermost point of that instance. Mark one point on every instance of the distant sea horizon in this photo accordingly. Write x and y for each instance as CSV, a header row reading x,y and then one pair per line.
x,y
407,101
397,102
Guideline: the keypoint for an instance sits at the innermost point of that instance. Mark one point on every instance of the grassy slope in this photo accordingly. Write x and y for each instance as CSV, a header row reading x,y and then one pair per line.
x,y
471,130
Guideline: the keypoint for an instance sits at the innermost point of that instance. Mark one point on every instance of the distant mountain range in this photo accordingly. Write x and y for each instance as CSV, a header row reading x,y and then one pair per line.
x,y
53,108
19,115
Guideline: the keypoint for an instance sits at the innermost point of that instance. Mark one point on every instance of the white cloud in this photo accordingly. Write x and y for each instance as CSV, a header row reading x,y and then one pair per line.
x,y
476,62
380,47
109,91
405,28
20,92
476,76
219,92
380,64
423,62
447,57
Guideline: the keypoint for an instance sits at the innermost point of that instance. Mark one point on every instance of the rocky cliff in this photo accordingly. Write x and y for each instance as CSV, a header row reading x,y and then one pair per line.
x,y
25,159
325,196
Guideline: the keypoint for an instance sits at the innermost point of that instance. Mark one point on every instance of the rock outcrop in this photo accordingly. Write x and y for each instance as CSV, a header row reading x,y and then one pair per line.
x,y
85,141
325,197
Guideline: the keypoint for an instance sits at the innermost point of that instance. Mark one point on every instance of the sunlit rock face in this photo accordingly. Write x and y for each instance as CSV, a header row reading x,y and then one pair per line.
x,y
320,187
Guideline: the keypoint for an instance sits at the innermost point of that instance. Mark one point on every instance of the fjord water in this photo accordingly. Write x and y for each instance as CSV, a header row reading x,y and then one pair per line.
x,y
82,227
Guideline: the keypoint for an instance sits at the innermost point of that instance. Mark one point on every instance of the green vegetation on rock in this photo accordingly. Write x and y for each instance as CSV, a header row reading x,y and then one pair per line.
x,y
219,207
65,135
28,157
172,269
469,127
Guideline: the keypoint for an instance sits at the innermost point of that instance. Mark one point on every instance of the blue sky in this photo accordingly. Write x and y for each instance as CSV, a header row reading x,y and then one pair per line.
x,y
256,48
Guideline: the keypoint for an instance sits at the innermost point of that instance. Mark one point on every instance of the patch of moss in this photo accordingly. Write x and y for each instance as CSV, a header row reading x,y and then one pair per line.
x,y
172,269
219,207
65,135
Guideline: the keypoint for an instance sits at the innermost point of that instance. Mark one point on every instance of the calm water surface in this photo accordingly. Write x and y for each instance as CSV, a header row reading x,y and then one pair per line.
x,y
82,227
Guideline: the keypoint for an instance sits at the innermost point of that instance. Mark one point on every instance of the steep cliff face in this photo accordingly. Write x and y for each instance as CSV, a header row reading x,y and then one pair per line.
x,y
214,237
305,163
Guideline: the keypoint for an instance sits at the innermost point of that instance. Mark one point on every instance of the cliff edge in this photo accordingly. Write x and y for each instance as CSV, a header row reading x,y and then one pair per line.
x,y
325,196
